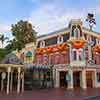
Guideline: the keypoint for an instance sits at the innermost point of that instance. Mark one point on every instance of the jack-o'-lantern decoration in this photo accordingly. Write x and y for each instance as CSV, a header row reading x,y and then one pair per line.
x,y
39,51
49,50
77,43
96,48
61,47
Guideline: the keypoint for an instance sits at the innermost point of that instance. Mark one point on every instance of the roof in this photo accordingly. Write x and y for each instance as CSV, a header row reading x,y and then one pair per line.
x,y
11,58
64,29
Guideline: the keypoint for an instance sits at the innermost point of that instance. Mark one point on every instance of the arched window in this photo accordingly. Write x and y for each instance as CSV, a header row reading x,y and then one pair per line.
x,y
42,44
28,56
77,33
60,39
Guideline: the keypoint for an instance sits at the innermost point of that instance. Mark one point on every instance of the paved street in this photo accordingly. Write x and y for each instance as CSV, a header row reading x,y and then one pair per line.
x,y
53,94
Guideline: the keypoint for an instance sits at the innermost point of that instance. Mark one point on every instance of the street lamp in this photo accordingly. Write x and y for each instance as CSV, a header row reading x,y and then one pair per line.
x,y
90,18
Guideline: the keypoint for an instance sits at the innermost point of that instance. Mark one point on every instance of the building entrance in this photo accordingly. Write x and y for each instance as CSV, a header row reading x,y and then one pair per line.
x,y
76,79
89,79
63,81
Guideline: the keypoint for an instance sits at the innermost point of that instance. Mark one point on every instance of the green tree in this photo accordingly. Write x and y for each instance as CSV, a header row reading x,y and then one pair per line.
x,y
23,33
2,53
2,39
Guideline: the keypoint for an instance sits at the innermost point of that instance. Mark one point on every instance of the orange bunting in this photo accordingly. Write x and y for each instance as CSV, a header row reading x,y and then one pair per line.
x,y
96,48
39,51
61,47
78,43
50,50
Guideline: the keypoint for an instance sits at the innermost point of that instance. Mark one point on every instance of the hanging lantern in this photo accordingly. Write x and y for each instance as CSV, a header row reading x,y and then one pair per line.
x,y
77,43
61,47
50,50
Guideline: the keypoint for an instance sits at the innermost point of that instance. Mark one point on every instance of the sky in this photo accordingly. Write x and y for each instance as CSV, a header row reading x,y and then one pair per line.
x,y
46,15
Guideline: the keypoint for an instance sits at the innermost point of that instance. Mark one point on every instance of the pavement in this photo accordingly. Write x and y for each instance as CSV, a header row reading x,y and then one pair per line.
x,y
54,94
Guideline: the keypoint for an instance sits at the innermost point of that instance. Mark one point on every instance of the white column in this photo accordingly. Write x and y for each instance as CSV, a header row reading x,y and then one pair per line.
x,y
8,79
70,82
22,82
83,80
18,84
57,79
95,79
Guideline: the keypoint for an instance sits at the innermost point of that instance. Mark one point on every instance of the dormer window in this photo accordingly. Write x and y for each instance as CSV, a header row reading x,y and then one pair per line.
x,y
77,33
42,44
60,39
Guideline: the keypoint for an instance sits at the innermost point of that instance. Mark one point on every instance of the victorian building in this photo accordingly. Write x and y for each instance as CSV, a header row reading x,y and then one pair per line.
x,y
73,53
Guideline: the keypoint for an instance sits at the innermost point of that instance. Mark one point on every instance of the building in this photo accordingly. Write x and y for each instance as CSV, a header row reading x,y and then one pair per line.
x,y
74,53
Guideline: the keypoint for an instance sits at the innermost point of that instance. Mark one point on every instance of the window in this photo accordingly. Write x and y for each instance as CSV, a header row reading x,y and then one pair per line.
x,y
42,44
98,77
75,54
77,33
60,39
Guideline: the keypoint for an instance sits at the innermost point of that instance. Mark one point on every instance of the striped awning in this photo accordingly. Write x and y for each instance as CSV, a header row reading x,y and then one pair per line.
x,y
40,67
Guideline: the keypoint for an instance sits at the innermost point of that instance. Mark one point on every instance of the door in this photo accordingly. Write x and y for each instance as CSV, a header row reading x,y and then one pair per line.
x,y
63,82
76,78
89,80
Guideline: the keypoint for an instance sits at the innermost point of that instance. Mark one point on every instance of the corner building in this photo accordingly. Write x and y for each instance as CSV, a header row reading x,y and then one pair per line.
x,y
75,54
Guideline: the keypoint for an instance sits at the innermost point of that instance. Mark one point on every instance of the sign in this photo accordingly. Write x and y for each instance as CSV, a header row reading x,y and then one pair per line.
x,y
3,75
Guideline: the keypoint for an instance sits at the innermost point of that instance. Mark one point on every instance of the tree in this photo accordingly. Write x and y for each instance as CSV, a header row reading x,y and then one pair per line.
x,y
23,33
2,39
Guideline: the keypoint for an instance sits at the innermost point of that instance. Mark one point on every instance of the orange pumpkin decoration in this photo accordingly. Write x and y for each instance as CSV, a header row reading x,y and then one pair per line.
x,y
78,43
49,50
61,47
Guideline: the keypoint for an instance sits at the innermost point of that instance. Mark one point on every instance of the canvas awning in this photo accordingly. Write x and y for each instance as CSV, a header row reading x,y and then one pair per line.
x,y
40,67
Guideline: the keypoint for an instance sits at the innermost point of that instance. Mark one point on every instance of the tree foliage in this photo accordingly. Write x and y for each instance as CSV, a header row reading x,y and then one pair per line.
x,y
23,33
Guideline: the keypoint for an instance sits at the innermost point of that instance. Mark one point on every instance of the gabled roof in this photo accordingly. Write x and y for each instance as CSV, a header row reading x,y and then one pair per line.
x,y
11,58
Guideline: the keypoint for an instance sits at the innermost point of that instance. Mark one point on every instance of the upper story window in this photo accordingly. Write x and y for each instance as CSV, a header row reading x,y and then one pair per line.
x,y
77,33
42,44
60,39
51,41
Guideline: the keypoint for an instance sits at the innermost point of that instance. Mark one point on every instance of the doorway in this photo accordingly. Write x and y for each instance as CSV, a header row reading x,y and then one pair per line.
x,y
89,79
76,79
63,82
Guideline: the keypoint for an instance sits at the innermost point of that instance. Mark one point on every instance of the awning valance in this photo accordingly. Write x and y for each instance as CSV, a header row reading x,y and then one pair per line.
x,y
40,67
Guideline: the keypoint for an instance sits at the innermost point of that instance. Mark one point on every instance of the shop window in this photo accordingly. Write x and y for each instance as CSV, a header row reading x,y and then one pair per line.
x,y
98,77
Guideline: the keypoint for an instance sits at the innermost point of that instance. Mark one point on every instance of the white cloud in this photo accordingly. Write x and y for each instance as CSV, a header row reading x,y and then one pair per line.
x,y
49,17
54,16
4,28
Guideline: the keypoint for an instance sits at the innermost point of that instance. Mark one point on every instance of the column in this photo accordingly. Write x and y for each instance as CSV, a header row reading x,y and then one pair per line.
x,y
18,84
57,79
83,79
89,49
95,79
22,81
70,82
8,79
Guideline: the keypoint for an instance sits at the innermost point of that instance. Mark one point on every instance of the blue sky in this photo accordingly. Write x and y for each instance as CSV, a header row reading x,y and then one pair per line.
x,y
46,15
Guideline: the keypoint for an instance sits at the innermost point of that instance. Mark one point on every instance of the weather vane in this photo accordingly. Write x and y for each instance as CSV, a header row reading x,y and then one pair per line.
x,y
90,18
